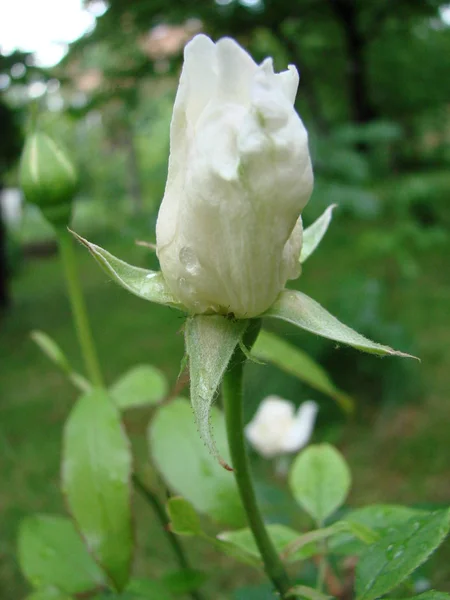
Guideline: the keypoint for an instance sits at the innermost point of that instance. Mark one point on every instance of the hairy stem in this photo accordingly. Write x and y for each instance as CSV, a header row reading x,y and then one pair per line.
x,y
232,398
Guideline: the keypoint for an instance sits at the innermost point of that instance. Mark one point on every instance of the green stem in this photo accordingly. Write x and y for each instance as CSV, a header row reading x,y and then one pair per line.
x,y
321,570
66,248
160,512
232,398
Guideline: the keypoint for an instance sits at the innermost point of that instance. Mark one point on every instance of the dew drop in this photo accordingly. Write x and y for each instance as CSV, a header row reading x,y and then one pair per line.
x,y
398,553
390,552
189,260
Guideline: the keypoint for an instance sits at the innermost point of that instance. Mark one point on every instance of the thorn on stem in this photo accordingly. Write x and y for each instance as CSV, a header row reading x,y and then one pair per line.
x,y
225,465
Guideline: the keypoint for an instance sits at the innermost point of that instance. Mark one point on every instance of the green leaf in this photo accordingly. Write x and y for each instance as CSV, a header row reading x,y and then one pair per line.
x,y
292,360
140,386
184,581
152,590
96,471
382,516
297,308
236,552
243,539
376,518
175,444
303,591
430,595
259,592
52,554
290,545
184,519
48,594
312,235
360,531
304,546
389,561
51,349
320,480
210,343
145,588
149,285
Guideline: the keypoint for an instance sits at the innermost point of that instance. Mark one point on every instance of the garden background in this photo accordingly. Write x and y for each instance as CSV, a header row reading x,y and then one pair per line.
x,y
375,98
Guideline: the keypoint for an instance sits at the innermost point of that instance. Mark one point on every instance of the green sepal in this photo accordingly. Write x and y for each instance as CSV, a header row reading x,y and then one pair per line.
x,y
146,284
210,343
312,236
304,312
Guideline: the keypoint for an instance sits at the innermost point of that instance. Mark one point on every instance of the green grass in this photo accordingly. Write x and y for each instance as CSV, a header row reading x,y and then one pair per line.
x,y
398,452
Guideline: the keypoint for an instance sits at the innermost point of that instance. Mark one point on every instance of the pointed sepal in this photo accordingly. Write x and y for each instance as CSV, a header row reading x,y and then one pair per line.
x,y
301,310
210,343
312,236
149,285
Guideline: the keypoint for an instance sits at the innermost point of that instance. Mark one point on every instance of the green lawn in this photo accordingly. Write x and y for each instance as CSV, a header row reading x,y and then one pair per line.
x,y
399,451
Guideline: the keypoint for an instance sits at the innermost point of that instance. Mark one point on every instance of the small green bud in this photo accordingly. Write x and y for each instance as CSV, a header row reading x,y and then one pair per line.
x,y
48,178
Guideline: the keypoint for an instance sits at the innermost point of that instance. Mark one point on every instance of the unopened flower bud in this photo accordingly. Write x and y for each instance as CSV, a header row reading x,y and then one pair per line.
x,y
229,231
48,178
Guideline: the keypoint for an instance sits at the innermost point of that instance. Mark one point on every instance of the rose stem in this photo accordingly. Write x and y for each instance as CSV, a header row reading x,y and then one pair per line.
x,y
232,397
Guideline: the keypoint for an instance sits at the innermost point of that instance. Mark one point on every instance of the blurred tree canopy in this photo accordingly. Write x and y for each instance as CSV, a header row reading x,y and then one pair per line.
x,y
358,59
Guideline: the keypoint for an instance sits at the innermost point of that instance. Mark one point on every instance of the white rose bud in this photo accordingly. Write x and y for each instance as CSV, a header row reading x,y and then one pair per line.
x,y
229,231
276,428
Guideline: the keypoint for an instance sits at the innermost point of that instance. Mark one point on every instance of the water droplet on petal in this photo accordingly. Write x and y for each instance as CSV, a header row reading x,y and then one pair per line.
x,y
189,260
185,286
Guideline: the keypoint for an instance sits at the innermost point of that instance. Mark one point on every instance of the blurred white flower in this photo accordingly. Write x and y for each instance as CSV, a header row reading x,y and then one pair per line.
x,y
229,231
277,429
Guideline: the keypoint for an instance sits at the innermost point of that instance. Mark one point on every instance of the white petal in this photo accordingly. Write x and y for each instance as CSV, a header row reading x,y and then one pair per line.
x,y
267,430
291,251
198,77
273,408
288,81
235,72
197,81
302,427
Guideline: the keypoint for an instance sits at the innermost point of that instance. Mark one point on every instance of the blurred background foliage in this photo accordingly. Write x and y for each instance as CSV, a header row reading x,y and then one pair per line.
x,y
374,95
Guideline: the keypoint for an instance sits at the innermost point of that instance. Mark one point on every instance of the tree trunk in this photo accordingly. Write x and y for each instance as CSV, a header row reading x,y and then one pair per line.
x,y
4,293
362,109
